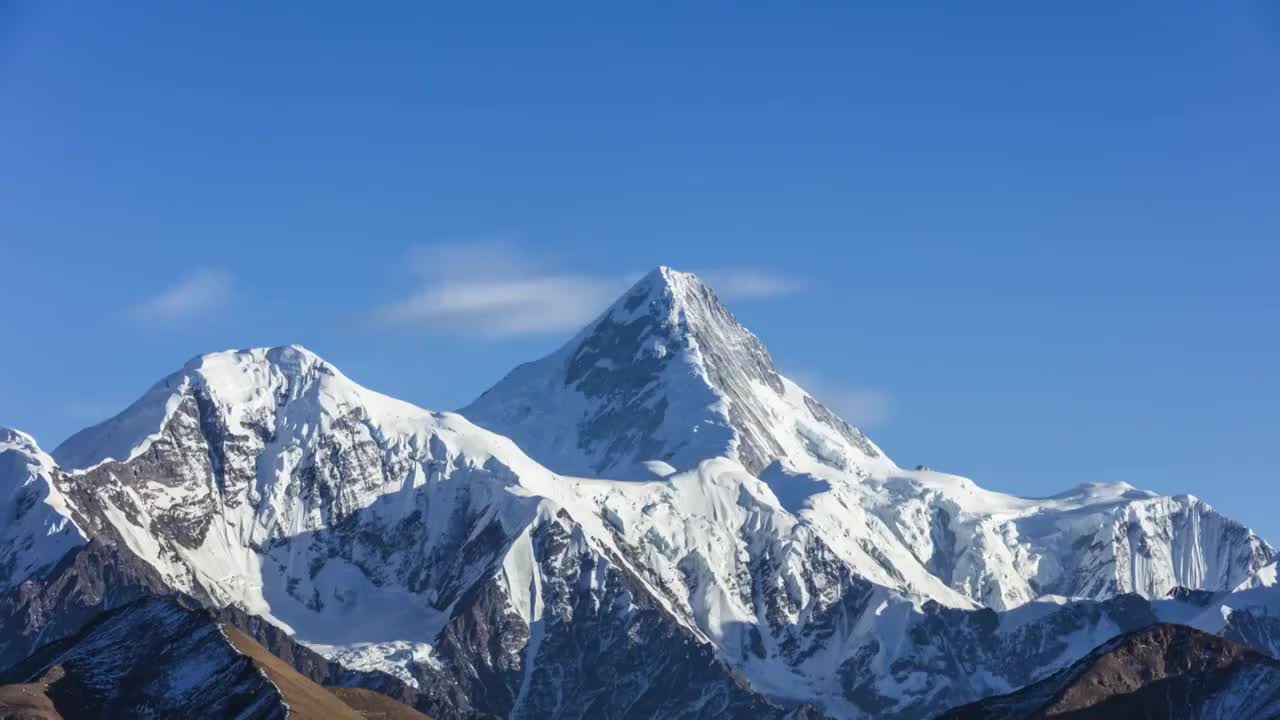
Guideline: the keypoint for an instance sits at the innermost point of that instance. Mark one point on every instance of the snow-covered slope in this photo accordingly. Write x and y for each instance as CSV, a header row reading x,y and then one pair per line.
x,y
1094,541
36,529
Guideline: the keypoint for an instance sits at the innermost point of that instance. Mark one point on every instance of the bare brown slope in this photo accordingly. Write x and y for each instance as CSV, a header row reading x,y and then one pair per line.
x,y
376,706
29,701
26,702
306,699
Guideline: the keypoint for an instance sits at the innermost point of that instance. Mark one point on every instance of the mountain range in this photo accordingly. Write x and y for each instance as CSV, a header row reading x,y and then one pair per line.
x,y
650,522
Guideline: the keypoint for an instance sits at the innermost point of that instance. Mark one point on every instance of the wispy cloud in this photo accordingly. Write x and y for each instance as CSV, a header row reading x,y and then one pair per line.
x,y
197,294
493,288
863,407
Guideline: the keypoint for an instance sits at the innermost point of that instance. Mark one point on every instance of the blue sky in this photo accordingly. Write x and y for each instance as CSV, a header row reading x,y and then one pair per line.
x,y
1031,243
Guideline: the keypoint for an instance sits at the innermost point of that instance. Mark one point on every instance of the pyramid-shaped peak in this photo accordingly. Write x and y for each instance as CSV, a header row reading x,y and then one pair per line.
x,y
666,286
671,278
677,305
665,374
665,275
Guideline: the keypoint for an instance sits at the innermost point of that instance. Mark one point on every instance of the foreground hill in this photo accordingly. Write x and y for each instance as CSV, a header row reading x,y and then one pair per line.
x,y
156,658
1162,671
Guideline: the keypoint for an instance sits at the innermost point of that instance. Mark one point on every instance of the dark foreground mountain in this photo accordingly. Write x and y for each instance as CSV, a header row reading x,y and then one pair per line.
x,y
157,658
96,579
1162,671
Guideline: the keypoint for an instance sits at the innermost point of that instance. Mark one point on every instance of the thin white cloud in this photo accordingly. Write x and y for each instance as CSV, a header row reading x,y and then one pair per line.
x,y
747,284
493,288
200,293
524,306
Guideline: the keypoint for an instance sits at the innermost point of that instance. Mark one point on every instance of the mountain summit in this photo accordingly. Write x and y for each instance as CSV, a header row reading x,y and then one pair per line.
x,y
245,387
665,378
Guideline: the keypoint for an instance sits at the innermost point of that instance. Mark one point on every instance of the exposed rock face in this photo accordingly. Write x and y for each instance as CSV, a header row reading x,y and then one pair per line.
x,y
603,645
96,578
61,601
1165,671
151,658
155,657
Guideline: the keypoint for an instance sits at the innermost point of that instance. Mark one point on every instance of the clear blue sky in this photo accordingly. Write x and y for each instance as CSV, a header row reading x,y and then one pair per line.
x,y
1041,238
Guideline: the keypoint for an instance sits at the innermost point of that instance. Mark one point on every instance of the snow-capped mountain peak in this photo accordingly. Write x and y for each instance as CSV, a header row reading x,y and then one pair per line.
x,y
665,378
240,385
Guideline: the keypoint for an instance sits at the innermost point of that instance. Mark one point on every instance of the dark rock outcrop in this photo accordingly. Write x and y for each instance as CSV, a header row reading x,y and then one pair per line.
x,y
1164,671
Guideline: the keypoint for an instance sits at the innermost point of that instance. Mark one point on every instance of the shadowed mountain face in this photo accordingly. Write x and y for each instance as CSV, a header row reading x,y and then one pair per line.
x,y
1162,671
152,656
157,658
745,554
97,579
